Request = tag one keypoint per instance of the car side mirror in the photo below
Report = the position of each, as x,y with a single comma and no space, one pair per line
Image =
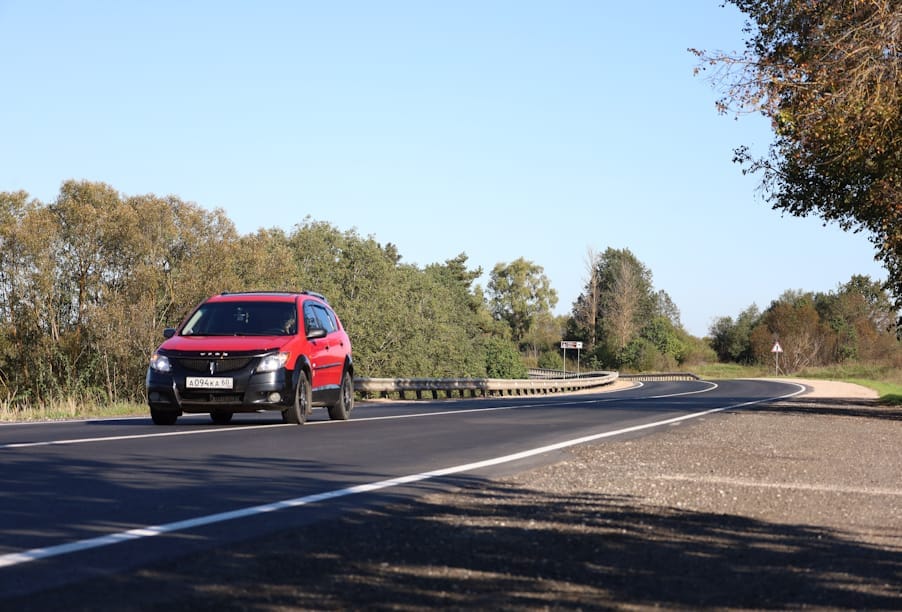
316,332
168,333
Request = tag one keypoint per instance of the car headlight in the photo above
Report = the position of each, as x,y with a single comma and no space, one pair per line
160,363
273,362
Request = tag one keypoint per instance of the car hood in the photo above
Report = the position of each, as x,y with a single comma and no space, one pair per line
225,344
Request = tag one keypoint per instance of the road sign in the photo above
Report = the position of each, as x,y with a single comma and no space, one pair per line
777,348
571,344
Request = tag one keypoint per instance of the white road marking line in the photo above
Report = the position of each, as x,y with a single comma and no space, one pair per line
711,388
11,559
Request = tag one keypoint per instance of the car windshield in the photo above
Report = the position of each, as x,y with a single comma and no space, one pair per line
243,319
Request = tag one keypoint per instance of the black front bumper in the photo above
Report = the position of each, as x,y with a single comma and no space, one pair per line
250,392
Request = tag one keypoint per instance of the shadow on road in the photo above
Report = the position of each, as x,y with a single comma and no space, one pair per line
503,547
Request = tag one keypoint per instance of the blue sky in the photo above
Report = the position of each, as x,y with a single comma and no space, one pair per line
501,129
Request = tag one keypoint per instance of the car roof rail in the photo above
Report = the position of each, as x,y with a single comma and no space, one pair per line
304,292
315,294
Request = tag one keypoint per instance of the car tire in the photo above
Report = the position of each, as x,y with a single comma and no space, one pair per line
297,412
221,417
163,417
341,410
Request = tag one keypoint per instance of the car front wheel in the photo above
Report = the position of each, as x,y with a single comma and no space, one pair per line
297,412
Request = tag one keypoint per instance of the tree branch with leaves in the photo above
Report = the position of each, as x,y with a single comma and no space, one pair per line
828,75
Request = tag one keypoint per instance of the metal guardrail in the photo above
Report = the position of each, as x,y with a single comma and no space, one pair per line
661,376
477,387
542,373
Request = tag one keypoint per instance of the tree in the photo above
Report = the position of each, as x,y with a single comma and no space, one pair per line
793,321
31,326
828,75
502,360
518,292
544,338
665,307
665,337
877,307
860,315
585,309
732,340
633,326
88,282
853,323
626,302
621,304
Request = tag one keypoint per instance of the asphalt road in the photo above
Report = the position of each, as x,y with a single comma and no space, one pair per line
90,498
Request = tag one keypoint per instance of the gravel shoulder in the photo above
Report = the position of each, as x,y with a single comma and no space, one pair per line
790,505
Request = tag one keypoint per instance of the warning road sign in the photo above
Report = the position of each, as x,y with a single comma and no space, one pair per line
777,348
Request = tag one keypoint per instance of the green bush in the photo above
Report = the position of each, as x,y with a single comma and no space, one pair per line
502,360
551,360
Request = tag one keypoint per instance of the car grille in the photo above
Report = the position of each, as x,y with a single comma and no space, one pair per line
202,397
226,364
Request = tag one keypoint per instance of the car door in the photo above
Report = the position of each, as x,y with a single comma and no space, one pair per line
327,353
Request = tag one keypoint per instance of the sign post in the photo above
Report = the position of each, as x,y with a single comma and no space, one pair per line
571,344
776,350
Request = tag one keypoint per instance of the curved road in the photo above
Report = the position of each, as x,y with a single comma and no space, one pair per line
86,498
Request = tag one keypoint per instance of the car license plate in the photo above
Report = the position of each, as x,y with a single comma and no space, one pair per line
208,382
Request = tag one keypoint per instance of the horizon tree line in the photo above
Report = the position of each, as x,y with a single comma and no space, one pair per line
89,281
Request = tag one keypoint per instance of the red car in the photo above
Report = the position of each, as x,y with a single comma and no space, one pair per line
245,352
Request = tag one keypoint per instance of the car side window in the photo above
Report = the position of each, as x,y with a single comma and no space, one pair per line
324,318
317,316
310,321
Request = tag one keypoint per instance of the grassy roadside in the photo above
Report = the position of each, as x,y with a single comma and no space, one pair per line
69,409
885,380
890,393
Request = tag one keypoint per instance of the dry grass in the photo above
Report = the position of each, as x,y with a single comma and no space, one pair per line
63,409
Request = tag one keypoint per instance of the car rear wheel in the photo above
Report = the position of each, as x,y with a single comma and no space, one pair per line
341,410
221,417
297,412
163,417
